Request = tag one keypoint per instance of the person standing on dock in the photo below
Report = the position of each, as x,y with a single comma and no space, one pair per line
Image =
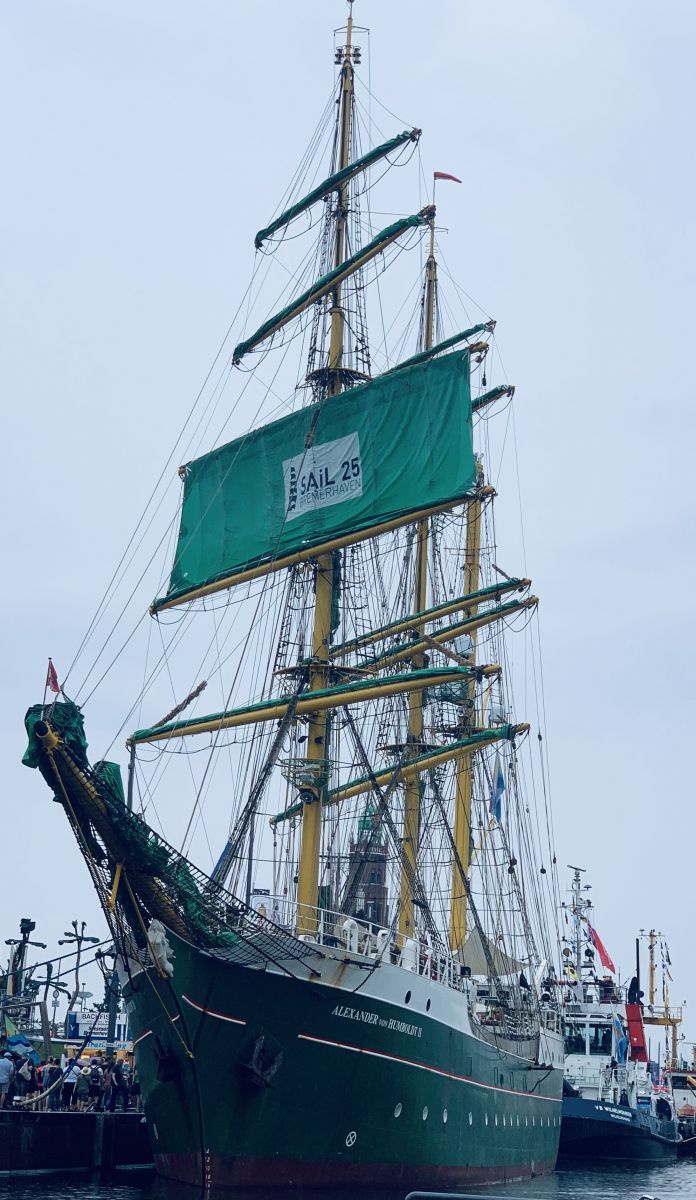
107,1079
32,1080
6,1075
72,1073
96,1076
82,1089
118,1086
52,1074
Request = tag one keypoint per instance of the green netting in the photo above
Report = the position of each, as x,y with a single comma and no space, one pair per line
333,182
109,776
326,282
393,446
68,722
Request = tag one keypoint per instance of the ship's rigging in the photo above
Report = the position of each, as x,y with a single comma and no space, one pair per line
423,596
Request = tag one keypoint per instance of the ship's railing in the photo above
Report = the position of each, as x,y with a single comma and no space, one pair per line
551,1019
609,1081
359,936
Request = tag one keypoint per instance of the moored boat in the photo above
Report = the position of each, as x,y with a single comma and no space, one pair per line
388,1015
612,1108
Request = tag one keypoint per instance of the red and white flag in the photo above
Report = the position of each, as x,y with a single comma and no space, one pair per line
601,949
444,175
52,684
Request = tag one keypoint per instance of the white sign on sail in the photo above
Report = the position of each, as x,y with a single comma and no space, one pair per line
322,475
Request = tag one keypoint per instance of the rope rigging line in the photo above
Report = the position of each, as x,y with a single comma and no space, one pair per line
99,611
414,880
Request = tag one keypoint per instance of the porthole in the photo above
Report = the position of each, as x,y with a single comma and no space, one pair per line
471,1118
496,1118
503,1120
427,1005
526,1121
425,1113
407,998
518,1120
486,1118
534,1121
399,1109
444,1116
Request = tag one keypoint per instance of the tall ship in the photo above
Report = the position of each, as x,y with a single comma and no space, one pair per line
360,990
615,1106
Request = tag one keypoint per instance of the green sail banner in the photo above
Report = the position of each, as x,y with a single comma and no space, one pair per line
354,460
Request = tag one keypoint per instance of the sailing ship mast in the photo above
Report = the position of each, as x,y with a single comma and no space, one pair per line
317,734
360,515
412,789
434,387
463,790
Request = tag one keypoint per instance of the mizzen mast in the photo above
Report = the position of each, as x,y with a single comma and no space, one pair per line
414,740
464,766
312,796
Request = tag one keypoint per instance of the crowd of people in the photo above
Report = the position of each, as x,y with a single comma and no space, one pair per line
96,1084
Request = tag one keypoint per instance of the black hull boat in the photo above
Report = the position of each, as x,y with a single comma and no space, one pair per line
595,1131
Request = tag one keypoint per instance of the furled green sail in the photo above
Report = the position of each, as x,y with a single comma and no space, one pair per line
321,287
439,347
352,461
334,182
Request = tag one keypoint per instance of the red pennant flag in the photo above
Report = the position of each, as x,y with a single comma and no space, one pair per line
444,175
601,949
52,683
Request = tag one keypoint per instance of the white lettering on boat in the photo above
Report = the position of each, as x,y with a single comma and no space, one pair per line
371,1018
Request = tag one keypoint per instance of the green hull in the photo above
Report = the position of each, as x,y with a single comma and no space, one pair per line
266,1061
292,1081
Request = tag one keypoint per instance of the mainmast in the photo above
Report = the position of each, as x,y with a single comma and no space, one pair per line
317,733
412,789
337,313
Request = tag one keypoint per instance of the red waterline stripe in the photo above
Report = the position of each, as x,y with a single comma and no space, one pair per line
409,1062
210,1012
142,1037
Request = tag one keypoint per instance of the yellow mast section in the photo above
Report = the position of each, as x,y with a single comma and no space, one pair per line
411,826
310,843
464,763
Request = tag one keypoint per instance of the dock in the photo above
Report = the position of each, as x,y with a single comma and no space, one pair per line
88,1143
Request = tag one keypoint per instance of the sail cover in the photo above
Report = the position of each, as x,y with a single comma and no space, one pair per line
352,461
479,951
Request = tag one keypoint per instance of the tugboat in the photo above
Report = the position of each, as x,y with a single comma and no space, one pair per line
678,1077
612,1109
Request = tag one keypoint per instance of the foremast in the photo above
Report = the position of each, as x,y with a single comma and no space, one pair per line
318,729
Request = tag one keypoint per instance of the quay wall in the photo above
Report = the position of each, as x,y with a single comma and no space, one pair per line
39,1143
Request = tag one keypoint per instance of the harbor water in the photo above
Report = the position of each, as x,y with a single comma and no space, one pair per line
674,1182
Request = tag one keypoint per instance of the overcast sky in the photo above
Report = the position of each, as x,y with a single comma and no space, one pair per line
143,145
